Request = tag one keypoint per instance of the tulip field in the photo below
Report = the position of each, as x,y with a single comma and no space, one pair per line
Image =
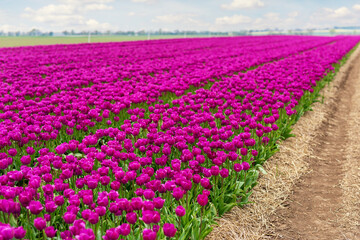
148,139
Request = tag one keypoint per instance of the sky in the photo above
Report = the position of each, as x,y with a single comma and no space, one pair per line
170,15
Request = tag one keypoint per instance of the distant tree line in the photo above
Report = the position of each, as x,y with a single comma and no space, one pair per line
33,32
37,32
276,31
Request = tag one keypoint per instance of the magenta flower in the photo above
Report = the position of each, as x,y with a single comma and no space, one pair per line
131,217
149,194
50,232
158,202
238,167
93,218
60,149
148,234
156,228
178,193
202,200
169,230
39,223
69,217
111,234
86,234
147,216
224,172
50,207
30,150
7,232
180,211
244,151
19,232
12,152
136,203
205,182
124,229
245,166
254,153
25,160
100,210
59,200
196,178
35,207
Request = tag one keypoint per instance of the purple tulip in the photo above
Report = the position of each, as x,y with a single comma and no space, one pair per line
158,202
202,200
245,166
35,207
131,217
12,152
111,234
25,160
39,223
148,234
169,230
69,217
124,229
19,232
149,194
180,211
50,232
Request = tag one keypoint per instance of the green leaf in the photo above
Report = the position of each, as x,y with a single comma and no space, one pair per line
206,232
239,184
262,170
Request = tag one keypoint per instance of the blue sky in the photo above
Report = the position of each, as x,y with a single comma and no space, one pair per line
214,15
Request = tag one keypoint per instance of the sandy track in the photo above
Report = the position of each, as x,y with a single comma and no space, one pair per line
325,204
318,208
312,189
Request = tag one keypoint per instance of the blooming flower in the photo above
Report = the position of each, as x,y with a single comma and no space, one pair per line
169,230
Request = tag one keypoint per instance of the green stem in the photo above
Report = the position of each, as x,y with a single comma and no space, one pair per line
201,218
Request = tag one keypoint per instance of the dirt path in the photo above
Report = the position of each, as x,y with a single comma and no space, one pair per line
312,186
324,200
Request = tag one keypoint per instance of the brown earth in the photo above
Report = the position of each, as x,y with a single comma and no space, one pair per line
312,189
316,208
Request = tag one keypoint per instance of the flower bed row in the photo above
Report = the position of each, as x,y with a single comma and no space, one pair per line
169,169
56,107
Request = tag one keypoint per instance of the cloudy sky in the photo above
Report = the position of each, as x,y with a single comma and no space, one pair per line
214,15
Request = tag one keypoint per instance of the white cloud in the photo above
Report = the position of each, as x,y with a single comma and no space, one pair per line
180,21
82,2
93,24
97,7
356,7
328,17
53,13
131,14
144,1
337,13
12,28
293,14
169,18
270,20
242,4
69,14
233,20
271,16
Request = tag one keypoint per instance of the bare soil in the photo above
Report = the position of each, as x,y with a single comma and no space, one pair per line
315,210
312,186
